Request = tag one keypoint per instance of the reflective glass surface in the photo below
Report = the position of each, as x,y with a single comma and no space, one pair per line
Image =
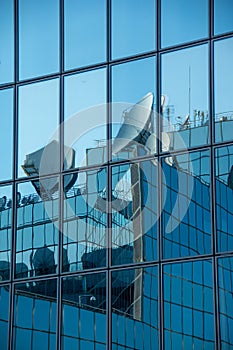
223,10
183,21
133,27
38,127
34,324
5,231
133,116
85,32
6,41
135,309
185,115
84,312
38,38
6,133
223,74
186,220
85,116
188,306
85,220
225,281
134,212
224,197
37,228
4,315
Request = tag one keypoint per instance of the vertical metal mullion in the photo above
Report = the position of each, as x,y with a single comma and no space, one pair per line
109,182
60,193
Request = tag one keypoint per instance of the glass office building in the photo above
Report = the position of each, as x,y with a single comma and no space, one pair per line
116,174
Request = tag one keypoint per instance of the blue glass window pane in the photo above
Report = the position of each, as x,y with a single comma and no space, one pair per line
6,132
85,32
6,41
186,219
4,312
190,320
223,74
223,10
224,197
133,27
28,299
183,21
135,309
225,281
84,311
38,38
38,125
85,116
185,116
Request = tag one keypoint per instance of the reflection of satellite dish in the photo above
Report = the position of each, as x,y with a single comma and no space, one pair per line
186,123
165,141
151,143
50,157
134,124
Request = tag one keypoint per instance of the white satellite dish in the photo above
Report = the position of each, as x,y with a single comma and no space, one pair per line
134,123
49,157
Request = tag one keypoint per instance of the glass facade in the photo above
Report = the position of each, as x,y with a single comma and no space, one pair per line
116,175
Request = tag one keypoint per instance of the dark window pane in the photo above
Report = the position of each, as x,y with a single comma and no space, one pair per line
133,96
186,220
185,84
4,314
223,10
85,221
6,41
38,38
37,228
5,231
85,116
188,306
85,32
135,309
133,27
183,21
84,311
6,133
134,212
224,198
225,285
38,126
34,325
223,70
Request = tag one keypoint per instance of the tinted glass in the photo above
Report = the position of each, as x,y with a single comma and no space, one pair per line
225,285
38,122
183,21
5,231
188,306
135,309
85,220
224,197
85,116
223,70
134,212
85,32
6,133
186,219
37,228
223,10
6,41
34,324
84,312
185,115
133,27
133,83
38,38
4,312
